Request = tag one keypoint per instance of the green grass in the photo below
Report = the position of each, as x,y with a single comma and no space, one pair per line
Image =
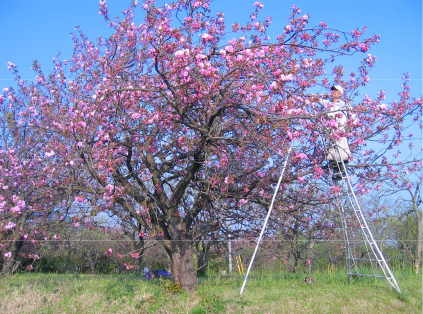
265,292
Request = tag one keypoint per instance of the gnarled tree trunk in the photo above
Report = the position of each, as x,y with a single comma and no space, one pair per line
9,262
182,266
9,265
181,254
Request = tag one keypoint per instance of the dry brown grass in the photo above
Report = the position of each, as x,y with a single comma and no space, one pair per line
42,293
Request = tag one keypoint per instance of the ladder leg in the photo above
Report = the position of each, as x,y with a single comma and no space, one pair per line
374,254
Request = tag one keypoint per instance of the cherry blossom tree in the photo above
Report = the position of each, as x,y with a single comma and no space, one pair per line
33,192
179,116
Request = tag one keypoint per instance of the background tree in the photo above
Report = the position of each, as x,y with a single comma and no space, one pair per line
410,224
33,183
416,202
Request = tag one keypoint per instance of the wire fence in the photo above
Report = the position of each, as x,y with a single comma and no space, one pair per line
217,241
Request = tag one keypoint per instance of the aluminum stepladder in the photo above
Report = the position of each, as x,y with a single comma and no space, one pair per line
362,250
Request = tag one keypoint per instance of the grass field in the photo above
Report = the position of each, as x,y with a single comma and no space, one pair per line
329,292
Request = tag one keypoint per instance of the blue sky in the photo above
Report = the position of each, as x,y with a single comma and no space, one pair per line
41,29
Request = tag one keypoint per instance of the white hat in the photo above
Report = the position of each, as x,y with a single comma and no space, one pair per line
338,88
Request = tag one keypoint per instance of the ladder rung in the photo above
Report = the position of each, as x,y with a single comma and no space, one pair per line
367,275
357,242
355,228
363,259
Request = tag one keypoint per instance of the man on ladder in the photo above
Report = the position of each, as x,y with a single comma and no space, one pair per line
338,156
339,152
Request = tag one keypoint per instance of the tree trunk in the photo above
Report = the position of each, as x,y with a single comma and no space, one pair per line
138,247
416,199
203,249
230,255
9,262
9,266
418,254
182,266
181,255
93,262
310,254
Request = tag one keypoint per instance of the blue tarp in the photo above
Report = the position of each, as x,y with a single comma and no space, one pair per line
151,274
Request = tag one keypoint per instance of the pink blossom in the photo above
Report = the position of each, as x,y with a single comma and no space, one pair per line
364,47
181,52
135,255
258,4
33,256
10,225
78,199
382,107
301,156
206,36
301,179
50,153
128,266
289,28
8,255
242,202
335,189
109,252
319,170
136,115
229,48
286,78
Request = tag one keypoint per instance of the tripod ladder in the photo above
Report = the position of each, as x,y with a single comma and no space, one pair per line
363,252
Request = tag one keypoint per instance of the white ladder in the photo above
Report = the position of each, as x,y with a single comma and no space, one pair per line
362,248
